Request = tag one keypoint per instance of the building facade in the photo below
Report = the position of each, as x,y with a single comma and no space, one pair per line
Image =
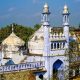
44,46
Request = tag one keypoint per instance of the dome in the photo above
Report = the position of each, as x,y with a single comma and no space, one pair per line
12,39
46,9
65,7
65,10
46,5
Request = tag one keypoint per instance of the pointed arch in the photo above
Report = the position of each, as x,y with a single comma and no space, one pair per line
56,68
57,64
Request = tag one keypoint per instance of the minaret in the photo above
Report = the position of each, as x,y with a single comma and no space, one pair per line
66,23
45,14
46,25
66,34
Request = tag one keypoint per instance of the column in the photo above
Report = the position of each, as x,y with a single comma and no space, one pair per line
56,45
53,45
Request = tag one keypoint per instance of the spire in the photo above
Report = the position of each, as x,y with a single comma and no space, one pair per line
45,13
46,9
65,10
66,23
12,28
65,15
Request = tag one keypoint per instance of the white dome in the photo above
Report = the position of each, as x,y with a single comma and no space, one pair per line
46,8
65,7
46,5
12,39
65,10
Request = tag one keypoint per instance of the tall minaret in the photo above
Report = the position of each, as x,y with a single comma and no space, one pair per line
46,25
45,13
66,23
66,34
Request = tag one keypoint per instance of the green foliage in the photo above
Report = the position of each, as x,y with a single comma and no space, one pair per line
4,32
36,27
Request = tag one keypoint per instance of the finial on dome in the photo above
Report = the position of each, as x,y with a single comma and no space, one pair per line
65,10
46,5
12,28
46,9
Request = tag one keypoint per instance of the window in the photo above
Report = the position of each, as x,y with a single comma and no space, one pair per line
51,45
57,45
54,45
63,44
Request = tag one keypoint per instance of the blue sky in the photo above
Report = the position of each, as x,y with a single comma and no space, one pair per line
28,12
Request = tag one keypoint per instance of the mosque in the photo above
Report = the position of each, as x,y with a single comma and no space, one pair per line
44,45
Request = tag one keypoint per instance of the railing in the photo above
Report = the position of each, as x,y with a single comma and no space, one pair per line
18,67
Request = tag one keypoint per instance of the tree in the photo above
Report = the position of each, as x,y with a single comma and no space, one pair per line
37,26
79,26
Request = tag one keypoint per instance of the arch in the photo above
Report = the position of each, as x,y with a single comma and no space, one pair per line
58,45
57,68
51,45
57,64
41,76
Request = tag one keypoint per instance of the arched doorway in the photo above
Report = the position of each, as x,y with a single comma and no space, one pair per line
58,70
41,76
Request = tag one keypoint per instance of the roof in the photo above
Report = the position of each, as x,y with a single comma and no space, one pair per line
12,39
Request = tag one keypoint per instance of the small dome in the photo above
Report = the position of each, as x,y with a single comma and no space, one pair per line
46,5
12,39
46,8
65,10
65,7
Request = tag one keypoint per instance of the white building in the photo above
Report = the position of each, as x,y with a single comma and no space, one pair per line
52,48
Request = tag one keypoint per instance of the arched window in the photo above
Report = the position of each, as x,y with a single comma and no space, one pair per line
41,76
65,18
57,45
54,45
63,44
57,70
51,45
